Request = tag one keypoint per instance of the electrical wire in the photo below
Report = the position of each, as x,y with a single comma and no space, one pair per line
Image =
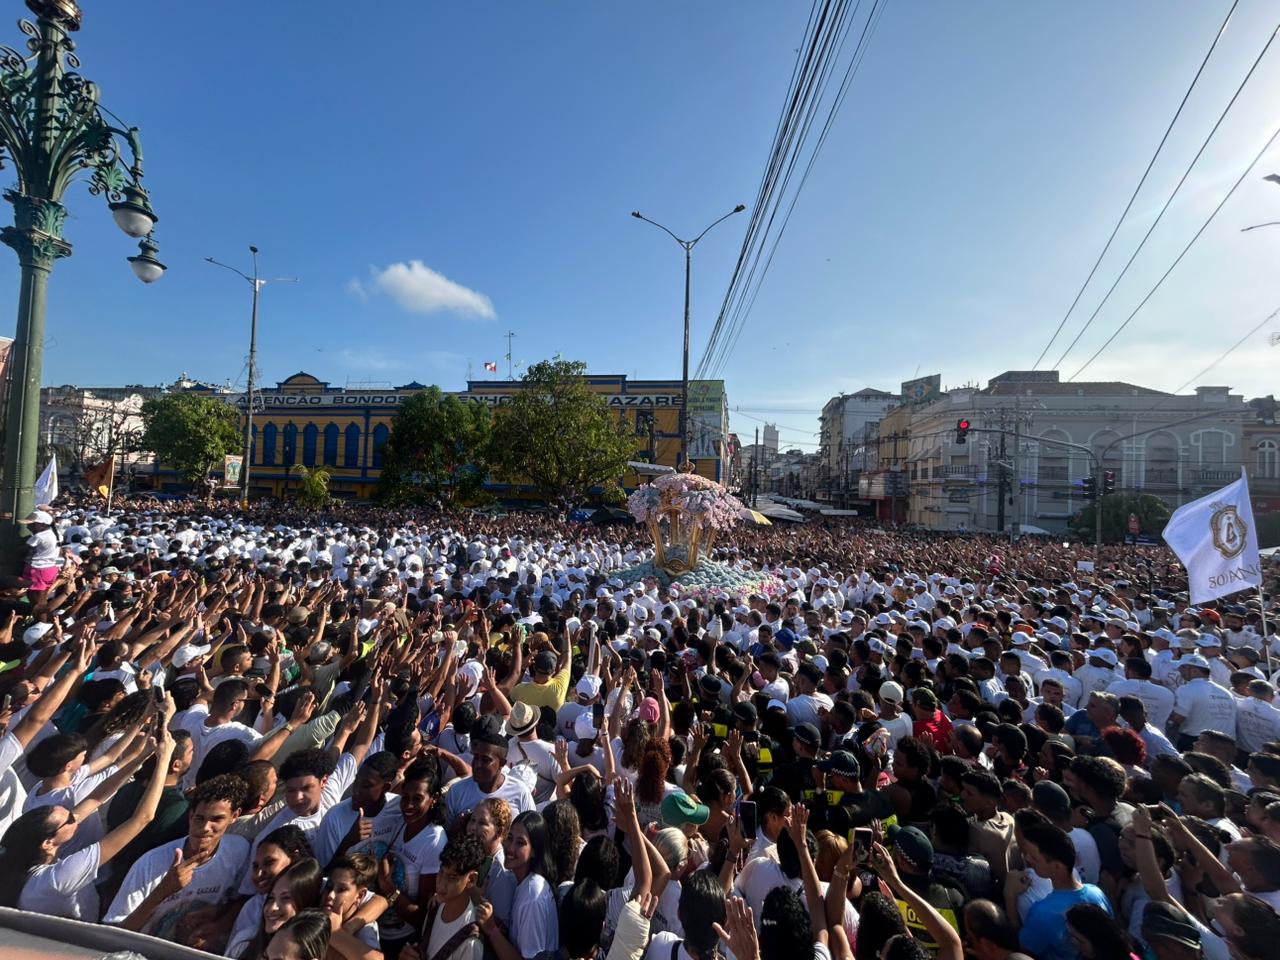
1230,350
868,31
1253,163
829,29
791,106
1142,180
1186,173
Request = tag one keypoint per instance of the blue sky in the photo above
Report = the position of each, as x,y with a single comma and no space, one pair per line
447,172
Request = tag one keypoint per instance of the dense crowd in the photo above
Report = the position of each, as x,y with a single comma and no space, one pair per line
442,736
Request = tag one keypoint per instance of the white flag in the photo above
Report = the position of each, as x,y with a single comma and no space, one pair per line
1216,541
46,490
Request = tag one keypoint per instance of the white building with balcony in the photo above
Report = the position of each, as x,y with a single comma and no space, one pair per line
1174,446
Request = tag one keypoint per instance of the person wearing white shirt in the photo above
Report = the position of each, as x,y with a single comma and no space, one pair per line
152,899
315,780
1200,704
33,875
1156,698
1257,717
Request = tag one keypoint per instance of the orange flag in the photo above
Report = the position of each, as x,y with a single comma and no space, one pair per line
99,478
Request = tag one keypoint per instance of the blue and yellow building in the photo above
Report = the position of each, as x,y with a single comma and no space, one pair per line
306,421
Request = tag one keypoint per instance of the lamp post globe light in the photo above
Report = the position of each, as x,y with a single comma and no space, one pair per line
52,128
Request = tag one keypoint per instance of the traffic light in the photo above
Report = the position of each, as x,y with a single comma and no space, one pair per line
1108,482
1090,487
962,431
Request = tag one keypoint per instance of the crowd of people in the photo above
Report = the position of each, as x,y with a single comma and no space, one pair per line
366,733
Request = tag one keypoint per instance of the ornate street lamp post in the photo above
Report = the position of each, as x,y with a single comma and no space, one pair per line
51,129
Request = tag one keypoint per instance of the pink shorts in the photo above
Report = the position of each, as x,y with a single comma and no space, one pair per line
42,578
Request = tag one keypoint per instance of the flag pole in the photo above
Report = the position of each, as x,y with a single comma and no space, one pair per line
1266,641
111,479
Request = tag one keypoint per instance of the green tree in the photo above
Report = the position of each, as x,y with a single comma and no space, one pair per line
313,488
438,449
1152,512
560,436
190,432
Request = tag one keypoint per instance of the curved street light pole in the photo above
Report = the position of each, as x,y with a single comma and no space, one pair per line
51,128
257,284
684,369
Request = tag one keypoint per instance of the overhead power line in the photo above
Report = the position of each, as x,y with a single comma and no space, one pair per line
1185,174
829,25
1141,181
1204,226
1230,350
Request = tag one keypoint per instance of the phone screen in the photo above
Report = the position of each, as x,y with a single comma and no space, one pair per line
747,818
597,715
862,839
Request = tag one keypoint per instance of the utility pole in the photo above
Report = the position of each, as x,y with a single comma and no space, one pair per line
1015,488
1001,481
252,378
510,337
684,368
755,459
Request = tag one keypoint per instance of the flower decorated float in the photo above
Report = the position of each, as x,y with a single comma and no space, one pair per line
686,514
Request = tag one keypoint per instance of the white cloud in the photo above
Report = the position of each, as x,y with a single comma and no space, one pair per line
419,289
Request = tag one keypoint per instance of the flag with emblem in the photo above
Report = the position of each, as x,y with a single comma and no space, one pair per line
491,366
1216,540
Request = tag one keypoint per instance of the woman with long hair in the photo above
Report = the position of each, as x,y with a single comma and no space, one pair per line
109,728
565,835
297,888
278,851
33,877
306,936
534,923
587,794
651,780
417,840
719,791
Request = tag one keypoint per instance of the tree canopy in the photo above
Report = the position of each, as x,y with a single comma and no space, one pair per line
190,432
558,435
438,449
1152,512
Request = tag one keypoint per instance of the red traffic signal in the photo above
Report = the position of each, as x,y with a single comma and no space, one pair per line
962,430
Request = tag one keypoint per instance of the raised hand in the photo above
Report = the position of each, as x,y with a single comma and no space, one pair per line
739,930
305,707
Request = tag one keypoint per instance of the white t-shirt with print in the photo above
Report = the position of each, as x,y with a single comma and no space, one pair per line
213,882
1206,706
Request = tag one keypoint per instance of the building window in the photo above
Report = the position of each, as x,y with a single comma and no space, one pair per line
1213,447
269,445
253,445
1268,460
1161,467
380,435
331,445
351,446
310,436
290,456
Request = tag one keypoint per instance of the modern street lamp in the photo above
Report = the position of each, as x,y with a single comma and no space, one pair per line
684,370
257,285
52,128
